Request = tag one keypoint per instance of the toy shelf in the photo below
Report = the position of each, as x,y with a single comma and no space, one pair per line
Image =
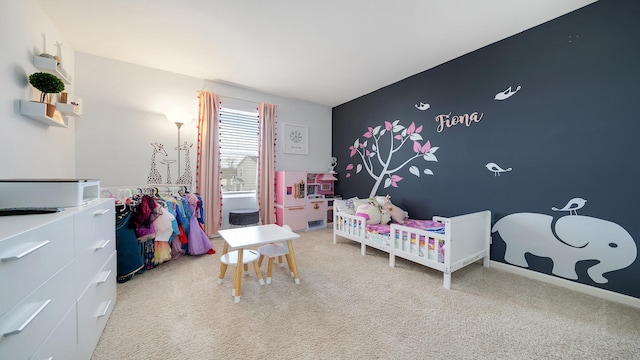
38,111
50,66
67,109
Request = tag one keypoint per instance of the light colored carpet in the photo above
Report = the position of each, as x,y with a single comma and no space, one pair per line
350,306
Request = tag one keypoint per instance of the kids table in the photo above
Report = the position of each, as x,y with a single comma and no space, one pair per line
240,238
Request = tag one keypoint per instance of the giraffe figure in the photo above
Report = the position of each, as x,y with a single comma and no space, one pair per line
58,58
154,175
185,178
59,47
44,43
168,163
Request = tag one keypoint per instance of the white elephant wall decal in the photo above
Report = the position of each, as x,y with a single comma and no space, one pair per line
573,238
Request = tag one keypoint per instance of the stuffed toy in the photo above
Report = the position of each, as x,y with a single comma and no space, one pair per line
370,212
344,206
385,217
397,215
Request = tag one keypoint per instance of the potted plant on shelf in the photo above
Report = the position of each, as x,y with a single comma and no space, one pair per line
47,84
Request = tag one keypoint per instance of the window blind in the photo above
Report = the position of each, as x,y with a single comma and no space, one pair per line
239,132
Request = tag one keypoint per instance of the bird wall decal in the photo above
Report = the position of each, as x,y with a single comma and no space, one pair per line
422,106
572,206
507,93
493,167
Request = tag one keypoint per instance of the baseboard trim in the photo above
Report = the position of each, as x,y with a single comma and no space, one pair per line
582,288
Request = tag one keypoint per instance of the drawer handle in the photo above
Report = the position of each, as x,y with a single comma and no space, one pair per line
24,250
105,276
106,310
103,245
35,308
98,213
297,208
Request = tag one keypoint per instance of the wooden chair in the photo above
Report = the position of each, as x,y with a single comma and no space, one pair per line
272,251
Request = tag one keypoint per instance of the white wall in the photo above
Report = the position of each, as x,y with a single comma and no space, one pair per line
30,149
123,113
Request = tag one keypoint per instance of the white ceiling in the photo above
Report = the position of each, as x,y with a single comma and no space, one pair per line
327,52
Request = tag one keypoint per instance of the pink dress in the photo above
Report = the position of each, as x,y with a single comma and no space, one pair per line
164,231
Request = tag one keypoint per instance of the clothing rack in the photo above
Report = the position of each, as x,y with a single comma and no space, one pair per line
124,192
156,223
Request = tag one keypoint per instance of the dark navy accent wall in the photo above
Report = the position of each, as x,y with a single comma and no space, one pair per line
569,132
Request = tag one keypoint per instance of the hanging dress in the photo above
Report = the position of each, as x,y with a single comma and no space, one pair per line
143,216
177,248
164,231
199,242
128,252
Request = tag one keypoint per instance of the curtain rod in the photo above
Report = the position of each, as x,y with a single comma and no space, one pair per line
233,98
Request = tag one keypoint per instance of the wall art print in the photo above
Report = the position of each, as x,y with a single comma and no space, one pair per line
296,139
378,162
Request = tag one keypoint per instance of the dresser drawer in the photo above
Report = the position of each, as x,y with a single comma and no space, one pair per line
26,326
94,308
61,343
88,264
30,258
91,224
95,242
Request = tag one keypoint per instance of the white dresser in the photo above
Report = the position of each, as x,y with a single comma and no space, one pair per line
57,281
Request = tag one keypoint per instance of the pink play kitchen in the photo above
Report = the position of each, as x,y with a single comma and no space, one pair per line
304,200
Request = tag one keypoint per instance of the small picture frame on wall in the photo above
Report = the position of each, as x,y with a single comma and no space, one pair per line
296,139
72,104
76,102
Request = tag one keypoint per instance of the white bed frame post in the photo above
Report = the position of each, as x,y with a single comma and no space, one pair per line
448,245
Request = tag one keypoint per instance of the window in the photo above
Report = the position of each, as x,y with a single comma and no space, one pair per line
239,150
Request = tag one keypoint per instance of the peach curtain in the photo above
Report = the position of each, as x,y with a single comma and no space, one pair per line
267,163
208,174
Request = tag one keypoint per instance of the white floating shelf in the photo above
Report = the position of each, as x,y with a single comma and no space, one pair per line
50,66
67,110
38,111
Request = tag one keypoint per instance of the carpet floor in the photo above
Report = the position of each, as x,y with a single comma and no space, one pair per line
350,306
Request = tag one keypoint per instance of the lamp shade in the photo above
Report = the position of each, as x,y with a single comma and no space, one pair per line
178,116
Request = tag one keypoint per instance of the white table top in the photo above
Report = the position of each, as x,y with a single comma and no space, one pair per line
256,235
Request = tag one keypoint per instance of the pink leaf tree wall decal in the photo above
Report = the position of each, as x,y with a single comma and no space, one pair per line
378,165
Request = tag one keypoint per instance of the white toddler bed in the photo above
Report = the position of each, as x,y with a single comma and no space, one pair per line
465,239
